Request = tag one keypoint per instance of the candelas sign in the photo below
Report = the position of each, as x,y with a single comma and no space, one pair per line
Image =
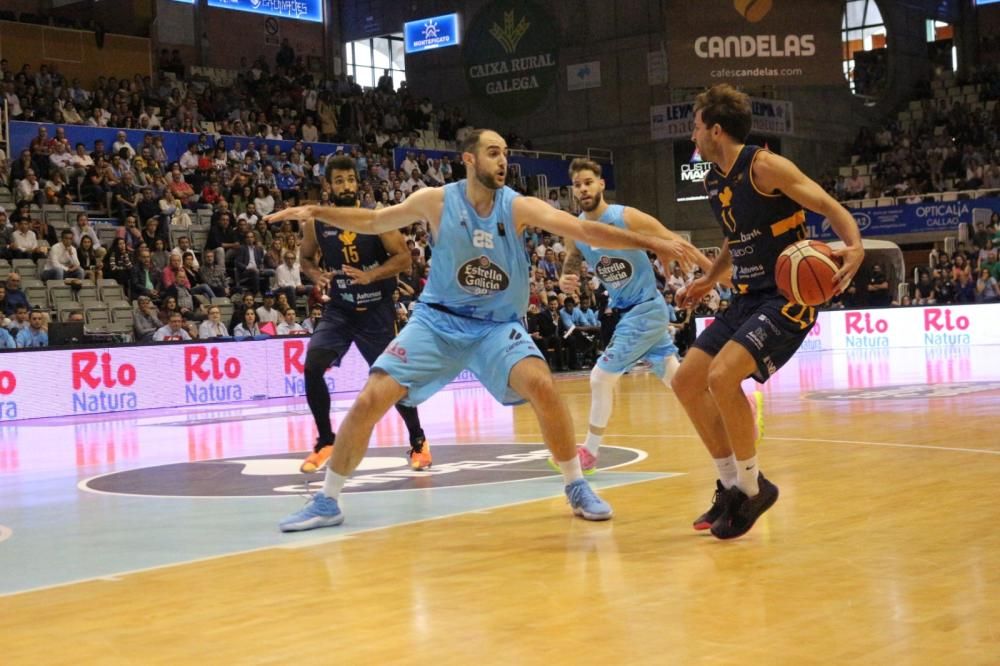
754,42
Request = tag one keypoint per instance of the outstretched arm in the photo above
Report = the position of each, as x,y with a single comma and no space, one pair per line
423,205
646,224
529,211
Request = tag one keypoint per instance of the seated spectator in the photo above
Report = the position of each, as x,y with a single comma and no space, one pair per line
145,278
986,288
63,262
20,321
923,292
15,297
214,276
6,340
29,190
90,261
289,326
251,271
118,263
878,288
145,319
213,327
34,335
288,279
315,317
267,313
248,327
174,330
24,243
173,210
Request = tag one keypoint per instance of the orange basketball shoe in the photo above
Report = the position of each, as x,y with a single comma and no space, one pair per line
315,461
420,456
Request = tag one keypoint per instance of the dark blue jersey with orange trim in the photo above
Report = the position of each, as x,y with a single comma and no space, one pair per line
757,225
345,248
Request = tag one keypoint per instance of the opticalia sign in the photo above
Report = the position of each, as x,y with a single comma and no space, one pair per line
944,326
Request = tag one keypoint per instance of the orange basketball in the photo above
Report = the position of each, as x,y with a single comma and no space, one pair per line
804,272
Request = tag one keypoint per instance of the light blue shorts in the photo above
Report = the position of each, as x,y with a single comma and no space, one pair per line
435,346
641,334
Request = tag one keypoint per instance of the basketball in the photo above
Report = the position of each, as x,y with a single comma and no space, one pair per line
804,272
753,10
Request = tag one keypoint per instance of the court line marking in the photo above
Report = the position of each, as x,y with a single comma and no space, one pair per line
118,575
82,485
767,438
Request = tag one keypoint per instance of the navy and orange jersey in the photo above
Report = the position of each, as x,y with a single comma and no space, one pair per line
757,225
346,248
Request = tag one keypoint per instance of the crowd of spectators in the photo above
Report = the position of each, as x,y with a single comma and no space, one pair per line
158,201
950,145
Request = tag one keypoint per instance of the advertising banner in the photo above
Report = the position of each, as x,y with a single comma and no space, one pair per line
40,384
754,42
510,56
431,33
676,121
299,10
934,216
942,326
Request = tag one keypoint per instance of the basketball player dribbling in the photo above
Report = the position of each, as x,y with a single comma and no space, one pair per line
469,315
758,198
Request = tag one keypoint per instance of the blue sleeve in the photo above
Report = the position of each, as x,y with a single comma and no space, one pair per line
566,319
6,341
22,338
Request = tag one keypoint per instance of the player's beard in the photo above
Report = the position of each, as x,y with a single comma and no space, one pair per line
345,199
487,179
595,201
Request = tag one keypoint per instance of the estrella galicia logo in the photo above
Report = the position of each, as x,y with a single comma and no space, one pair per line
278,475
514,335
614,271
481,277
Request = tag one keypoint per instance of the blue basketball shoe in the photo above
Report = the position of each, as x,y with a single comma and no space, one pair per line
321,511
586,503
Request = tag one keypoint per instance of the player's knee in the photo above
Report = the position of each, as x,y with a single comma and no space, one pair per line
685,383
538,386
318,361
602,381
720,377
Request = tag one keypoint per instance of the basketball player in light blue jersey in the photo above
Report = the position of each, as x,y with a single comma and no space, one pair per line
642,331
469,315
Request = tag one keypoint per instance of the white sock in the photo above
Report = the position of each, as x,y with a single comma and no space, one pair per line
593,443
727,470
746,471
571,470
333,483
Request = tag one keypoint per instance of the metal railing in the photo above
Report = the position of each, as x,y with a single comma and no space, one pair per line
957,195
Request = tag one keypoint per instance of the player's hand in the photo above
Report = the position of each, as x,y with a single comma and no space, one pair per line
569,284
321,280
679,250
293,213
852,257
691,294
357,275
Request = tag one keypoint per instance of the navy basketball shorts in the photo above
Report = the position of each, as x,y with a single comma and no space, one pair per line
769,326
371,330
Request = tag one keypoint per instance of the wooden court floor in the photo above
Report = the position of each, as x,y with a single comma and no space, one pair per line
882,549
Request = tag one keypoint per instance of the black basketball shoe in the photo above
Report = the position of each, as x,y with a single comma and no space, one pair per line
742,512
719,502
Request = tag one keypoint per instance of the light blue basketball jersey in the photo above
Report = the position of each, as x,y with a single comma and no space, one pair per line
479,267
627,274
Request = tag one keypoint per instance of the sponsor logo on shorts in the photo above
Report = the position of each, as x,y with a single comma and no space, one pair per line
769,364
396,350
278,475
758,337
482,277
